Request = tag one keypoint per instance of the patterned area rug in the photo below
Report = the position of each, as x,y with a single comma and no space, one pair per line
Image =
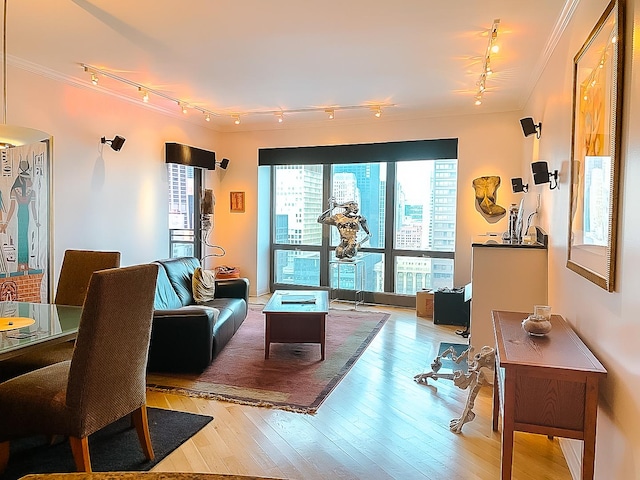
294,378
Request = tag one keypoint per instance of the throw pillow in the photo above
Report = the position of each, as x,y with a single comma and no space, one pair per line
203,285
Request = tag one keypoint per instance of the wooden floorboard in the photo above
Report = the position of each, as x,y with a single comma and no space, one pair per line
378,423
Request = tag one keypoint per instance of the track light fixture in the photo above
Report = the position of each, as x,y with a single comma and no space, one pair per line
517,186
145,95
529,127
542,175
115,144
184,105
94,79
492,47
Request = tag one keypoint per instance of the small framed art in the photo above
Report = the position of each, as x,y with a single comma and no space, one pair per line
236,201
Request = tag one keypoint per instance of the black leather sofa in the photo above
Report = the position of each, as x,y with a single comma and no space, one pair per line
185,336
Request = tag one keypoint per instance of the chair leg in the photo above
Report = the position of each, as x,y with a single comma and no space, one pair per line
4,456
141,423
80,449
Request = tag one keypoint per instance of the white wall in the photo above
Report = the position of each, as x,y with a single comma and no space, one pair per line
109,200
609,323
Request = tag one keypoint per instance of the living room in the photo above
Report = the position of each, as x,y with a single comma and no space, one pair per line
108,200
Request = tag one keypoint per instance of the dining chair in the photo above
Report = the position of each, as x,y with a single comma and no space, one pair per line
105,379
75,273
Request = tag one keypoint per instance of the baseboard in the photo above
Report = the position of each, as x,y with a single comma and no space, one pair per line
572,451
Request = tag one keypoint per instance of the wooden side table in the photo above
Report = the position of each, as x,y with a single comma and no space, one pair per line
546,385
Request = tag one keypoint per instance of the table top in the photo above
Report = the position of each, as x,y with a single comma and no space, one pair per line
560,349
298,301
51,324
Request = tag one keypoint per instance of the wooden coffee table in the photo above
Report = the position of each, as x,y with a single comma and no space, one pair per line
296,316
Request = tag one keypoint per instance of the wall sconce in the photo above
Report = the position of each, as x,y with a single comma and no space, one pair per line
542,175
529,127
517,186
116,143
223,164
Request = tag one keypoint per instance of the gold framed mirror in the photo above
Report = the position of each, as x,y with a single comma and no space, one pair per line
595,152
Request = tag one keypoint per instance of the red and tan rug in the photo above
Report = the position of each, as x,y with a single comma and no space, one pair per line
294,378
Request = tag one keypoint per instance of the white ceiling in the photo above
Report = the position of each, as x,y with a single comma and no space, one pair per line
243,56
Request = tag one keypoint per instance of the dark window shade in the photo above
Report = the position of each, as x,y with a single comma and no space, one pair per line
441,149
190,156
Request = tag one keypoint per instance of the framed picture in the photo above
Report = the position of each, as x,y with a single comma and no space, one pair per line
24,222
237,202
595,152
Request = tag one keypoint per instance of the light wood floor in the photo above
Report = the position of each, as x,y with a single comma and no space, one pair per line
378,423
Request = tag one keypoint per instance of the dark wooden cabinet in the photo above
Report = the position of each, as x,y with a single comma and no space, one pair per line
546,385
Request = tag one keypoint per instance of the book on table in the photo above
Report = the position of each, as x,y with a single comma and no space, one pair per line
298,299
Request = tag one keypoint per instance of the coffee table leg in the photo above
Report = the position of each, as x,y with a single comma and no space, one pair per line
267,336
323,323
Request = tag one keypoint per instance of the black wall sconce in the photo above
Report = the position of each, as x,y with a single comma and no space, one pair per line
223,164
115,144
529,127
542,175
517,186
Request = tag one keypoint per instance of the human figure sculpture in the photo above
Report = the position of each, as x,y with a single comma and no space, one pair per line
348,224
486,191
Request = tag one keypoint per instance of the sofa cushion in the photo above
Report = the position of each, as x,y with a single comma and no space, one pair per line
180,270
203,285
166,297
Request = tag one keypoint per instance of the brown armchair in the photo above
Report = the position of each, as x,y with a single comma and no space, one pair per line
105,379
75,273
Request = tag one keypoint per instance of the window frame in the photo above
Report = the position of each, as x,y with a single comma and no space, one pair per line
389,251
189,236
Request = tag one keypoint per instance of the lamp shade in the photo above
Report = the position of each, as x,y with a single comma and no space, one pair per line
206,206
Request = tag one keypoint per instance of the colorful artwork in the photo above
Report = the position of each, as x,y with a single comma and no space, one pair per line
597,118
24,223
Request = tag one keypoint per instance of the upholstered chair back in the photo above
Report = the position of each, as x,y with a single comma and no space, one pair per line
75,273
108,368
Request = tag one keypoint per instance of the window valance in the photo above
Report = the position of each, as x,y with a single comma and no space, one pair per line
440,149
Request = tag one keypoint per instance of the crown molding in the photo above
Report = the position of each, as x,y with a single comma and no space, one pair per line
558,30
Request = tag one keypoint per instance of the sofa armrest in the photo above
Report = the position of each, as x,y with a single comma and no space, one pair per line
232,288
181,339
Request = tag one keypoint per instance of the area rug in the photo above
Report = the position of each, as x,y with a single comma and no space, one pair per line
114,448
293,378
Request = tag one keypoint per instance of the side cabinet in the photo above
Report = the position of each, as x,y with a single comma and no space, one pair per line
504,277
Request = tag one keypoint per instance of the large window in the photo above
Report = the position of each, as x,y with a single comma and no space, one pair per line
410,208
184,210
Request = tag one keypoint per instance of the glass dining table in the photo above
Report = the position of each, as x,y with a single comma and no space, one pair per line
28,326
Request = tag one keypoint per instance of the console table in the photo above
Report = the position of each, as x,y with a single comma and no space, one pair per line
546,385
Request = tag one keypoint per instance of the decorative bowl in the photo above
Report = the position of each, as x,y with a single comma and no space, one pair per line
537,326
